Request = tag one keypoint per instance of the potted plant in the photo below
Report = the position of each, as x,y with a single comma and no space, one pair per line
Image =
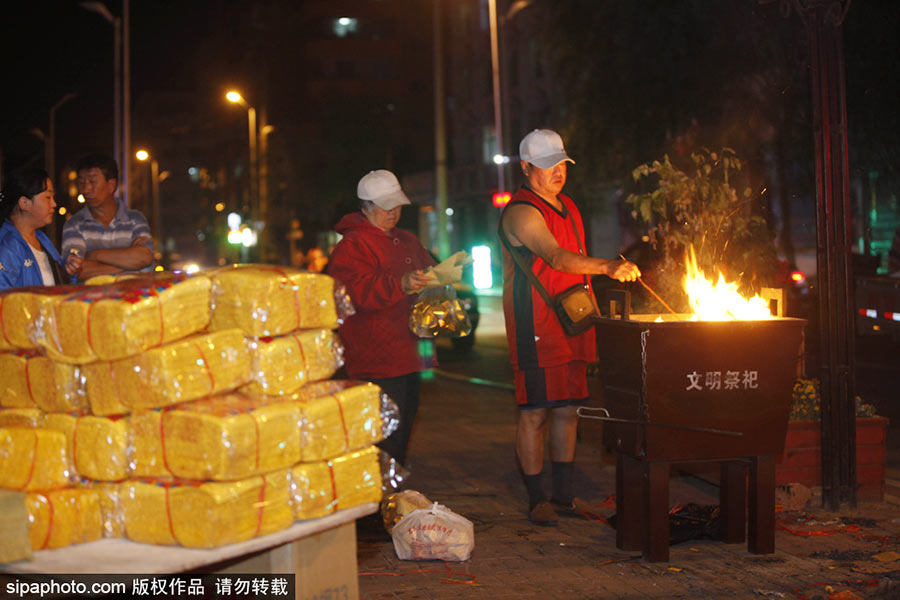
801,460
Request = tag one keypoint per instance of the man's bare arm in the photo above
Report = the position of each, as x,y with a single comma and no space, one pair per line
134,257
92,268
525,225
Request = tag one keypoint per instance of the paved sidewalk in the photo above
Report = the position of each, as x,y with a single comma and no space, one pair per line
462,456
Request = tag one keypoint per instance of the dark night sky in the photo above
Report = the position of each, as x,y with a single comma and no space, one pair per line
51,48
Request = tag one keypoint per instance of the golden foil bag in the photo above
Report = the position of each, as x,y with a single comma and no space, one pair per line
438,312
191,368
264,300
396,506
281,365
113,321
325,487
206,514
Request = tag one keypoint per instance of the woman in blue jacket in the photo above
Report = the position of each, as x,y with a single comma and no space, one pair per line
27,256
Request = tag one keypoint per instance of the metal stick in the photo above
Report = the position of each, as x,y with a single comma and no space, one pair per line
654,294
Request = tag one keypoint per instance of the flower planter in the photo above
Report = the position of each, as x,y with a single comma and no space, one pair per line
801,460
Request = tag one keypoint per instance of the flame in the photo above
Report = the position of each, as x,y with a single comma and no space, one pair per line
720,301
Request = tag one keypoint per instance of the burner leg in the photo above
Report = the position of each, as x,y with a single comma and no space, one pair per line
762,505
630,522
656,509
733,501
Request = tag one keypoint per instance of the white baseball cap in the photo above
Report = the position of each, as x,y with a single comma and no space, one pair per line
382,188
543,148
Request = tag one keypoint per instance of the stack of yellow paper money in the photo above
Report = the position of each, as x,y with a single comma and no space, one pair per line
265,300
23,312
14,543
96,446
29,380
206,514
324,487
222,438
147,459
194,367
281,365
62,517
33,459
22,417
340,416
110,322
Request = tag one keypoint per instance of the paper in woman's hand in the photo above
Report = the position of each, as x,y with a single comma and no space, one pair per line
449,271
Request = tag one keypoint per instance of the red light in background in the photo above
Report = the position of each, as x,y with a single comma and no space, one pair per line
500,199
797,276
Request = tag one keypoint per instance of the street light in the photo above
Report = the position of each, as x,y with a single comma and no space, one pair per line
143,155
236,98
121,87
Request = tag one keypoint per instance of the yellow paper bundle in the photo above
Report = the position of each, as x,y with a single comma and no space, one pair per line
112,321
339,416
29,380
206,515
281,365
33,459
23,311
230,437
111,510
267,300
21,417
97,446
105,279
63,517
147,459
324,487
197,366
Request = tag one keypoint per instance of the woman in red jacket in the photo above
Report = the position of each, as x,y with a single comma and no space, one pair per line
382,266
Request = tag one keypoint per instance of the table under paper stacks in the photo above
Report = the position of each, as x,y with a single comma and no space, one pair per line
169,423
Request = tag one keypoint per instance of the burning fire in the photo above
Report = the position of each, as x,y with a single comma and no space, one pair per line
720,301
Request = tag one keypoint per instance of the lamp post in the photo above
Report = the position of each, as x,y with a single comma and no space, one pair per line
143,155
121,88
236,98
495,77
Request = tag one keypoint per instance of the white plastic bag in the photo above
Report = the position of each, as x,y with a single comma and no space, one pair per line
435,533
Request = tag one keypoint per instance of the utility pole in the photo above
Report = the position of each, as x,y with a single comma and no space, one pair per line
126,101
834,238
498,114
440,136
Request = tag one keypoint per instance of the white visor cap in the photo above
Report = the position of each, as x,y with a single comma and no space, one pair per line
382,188
543,148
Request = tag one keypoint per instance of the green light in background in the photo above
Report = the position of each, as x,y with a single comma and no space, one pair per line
481,268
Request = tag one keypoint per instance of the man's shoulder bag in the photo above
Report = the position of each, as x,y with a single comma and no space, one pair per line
575,306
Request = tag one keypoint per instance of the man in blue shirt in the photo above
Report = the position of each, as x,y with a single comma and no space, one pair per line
111,237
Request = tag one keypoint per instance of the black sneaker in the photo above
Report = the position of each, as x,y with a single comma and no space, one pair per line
543,514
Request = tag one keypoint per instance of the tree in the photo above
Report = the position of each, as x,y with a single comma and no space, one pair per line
696,207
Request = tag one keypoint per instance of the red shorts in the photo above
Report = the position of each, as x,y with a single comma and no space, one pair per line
548,387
